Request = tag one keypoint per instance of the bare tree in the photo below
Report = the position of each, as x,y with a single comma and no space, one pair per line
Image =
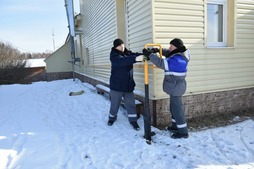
10,57
11,60
41,55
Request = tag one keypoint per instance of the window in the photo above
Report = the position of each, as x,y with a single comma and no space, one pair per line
216,23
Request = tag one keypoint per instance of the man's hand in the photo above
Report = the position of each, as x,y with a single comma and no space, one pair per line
155,50
139,58
146,52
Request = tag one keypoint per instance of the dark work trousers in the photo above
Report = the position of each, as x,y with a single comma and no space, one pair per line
129,104
178,117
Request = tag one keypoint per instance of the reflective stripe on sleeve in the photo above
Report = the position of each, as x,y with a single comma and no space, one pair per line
166,64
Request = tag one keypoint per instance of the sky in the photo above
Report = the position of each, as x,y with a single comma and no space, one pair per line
42,127
34,25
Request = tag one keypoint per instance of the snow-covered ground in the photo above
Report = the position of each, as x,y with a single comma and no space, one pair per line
42,127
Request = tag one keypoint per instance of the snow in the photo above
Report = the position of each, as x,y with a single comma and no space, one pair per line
42,127
31,63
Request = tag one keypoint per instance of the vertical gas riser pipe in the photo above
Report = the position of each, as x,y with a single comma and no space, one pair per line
70,17
147,116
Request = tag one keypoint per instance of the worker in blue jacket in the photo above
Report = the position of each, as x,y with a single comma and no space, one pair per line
174,83
122,83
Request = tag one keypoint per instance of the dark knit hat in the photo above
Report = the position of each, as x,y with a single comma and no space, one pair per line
117,42
177,42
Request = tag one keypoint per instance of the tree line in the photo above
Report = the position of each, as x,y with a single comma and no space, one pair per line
12,61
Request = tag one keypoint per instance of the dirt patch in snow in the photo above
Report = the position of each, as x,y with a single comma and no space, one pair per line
218,120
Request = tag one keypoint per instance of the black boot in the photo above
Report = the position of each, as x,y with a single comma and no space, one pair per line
171,129
111,122
135,125
178,135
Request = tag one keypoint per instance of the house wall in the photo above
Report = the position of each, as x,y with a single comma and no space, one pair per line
159,21
108,21
210,69
139,32
220,80
215,76
59,60
99,24
203,105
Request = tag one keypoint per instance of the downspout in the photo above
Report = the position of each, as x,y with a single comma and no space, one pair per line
70,16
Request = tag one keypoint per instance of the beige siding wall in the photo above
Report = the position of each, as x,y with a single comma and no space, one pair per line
182,19
139,20
159,21
139,33
58,61
210,69
99,26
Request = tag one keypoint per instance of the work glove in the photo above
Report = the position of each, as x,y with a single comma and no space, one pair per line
146,52
139,58
155,50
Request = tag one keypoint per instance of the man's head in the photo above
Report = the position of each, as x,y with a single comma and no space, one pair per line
119,44
175,44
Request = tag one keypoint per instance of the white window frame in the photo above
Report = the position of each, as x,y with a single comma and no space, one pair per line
224,41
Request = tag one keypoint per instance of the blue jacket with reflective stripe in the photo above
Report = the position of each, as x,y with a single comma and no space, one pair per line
176,64
175,69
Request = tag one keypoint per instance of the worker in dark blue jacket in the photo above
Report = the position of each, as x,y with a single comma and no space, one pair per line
122,83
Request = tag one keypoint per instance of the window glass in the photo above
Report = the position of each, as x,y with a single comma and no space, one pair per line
216,23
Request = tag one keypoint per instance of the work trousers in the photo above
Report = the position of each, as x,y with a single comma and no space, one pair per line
177,113
129,104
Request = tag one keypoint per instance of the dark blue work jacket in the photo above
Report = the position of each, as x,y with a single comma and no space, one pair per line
121,78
